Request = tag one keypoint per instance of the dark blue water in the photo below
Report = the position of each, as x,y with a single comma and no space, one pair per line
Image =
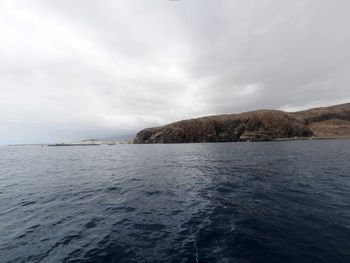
219,202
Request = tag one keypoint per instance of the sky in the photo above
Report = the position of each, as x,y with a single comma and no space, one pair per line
73,70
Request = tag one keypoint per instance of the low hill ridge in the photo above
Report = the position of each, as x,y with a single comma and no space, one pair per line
260,125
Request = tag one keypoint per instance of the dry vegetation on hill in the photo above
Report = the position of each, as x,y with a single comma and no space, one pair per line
262,125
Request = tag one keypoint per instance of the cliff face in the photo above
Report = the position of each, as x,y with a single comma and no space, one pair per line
263,125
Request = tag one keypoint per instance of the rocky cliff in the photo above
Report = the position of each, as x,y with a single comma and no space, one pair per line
262,125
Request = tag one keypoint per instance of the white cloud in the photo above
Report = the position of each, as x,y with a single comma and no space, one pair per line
76,69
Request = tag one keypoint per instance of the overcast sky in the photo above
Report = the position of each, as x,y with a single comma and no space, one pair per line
72,70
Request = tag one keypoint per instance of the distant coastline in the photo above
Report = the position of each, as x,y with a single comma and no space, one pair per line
262,125
89,142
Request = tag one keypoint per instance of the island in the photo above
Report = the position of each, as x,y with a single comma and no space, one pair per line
260,125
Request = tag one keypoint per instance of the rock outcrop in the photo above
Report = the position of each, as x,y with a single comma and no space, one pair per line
262,125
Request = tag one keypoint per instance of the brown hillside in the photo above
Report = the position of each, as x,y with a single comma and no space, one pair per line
262,125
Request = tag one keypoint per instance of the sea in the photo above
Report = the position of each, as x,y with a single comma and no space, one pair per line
207,202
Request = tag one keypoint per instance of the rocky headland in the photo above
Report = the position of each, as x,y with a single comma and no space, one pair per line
261,125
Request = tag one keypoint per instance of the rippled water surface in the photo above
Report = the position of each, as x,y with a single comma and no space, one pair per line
217,202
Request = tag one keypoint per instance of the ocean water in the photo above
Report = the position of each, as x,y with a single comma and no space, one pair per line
215,202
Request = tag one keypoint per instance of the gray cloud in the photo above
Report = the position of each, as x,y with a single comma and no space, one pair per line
76,69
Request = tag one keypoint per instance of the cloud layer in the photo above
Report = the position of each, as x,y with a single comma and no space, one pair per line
78,69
